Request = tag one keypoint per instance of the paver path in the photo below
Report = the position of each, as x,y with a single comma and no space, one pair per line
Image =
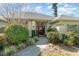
35,49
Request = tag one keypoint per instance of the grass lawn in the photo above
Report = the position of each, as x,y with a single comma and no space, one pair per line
60,50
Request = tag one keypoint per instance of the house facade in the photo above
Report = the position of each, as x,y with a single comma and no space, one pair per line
40,23
33,21
66,24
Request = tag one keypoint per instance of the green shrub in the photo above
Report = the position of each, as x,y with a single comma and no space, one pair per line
53,37
21,46
68,42
77,40
16,34
70,39
31,41
9,50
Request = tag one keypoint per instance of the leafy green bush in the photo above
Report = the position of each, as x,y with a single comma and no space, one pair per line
68,42
53,37
9,50
31,41
70,39
21,46
16,34
77,40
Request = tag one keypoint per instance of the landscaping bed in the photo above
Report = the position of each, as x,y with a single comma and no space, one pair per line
60,50
9,50
12,49
15,38
65,44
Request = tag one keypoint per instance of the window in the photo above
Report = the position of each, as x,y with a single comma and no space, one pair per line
71,28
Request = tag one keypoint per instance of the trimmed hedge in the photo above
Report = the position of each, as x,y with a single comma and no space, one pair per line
16,34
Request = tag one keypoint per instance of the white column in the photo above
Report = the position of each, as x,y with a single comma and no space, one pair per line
33,25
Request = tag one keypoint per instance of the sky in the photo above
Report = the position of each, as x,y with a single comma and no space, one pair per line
65,9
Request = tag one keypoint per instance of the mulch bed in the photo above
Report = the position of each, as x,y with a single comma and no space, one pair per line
60,50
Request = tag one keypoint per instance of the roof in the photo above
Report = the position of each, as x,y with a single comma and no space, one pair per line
31,15
66,18
38,16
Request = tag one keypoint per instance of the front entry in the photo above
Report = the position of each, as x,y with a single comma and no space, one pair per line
41,29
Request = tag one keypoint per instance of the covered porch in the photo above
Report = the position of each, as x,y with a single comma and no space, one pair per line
37,27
